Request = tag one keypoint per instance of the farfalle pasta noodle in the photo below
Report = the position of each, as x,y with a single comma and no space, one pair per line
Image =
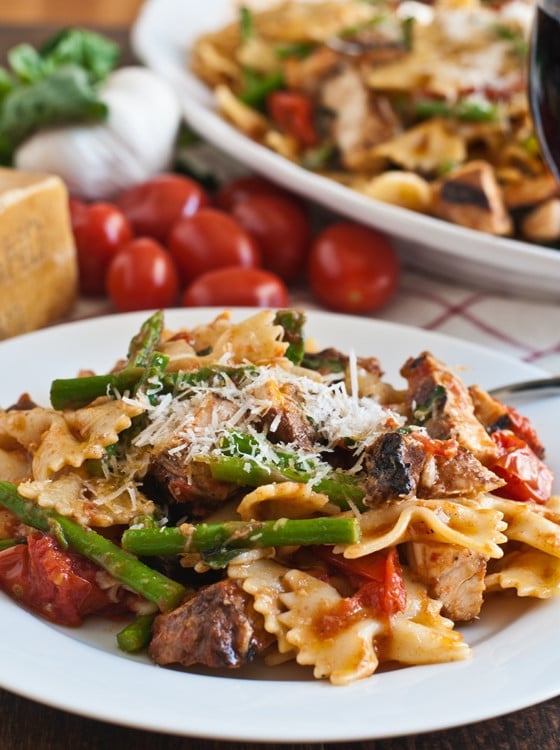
92,501
531,572
242,424
481,529
282,500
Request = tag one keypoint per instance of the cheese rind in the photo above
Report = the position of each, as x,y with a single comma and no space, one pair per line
38,266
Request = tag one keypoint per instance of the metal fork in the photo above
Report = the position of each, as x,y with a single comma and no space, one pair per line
535,388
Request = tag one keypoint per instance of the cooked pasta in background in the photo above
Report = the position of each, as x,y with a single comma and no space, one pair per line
416,104
248,496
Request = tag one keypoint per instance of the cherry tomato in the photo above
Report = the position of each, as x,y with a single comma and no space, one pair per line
238,190
526,476
142,276
56,584
153,206
522,427
237,287
378,577
99,229
211,239
281,229
353,268
294,113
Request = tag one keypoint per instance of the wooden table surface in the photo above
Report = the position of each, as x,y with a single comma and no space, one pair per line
26,725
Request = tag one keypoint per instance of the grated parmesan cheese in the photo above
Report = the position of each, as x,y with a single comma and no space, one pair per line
193,423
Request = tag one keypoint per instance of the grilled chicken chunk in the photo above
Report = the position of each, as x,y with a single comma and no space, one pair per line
542,223
471,196
403,466
170,480
284,420
442,404
361,119
454,575
197,492
495,415
308,74
217,627
393,464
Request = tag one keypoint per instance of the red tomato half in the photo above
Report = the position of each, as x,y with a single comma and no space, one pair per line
353,268
522,427
237,287
208,240
294,113
142,276
281,229
382,587
236,191
58,585
99,229
526,476
153,206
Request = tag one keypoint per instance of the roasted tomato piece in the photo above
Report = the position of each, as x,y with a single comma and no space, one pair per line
60,586
526,476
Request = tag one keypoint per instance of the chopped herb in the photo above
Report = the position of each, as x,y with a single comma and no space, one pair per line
257,87
425,411
464,109
299,50
246,23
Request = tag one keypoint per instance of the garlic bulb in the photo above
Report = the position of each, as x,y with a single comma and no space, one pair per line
98,160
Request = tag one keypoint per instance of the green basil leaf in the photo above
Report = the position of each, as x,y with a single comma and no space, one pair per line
65,96
97,54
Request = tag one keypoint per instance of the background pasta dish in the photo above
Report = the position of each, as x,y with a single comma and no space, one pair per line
423,106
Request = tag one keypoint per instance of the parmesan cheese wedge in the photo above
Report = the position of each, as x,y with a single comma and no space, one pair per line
38,267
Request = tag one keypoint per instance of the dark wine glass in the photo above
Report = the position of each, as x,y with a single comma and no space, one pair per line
544,80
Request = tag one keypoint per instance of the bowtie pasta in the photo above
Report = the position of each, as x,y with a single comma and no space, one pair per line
421,105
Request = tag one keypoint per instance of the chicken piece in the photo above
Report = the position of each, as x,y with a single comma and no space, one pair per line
528,191
284,421
24,403
495,415
459,475
307,75
454,575
393,465
471,196
440,401
361,119
542,223
403,466
424,148
217,627
168,480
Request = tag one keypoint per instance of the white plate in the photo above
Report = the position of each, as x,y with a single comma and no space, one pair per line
161,38
515,660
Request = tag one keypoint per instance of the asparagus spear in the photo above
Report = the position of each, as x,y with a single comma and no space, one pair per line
136,636
146,364
243,462
292,321
143,345
73,393
7,543
123,566
236,535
